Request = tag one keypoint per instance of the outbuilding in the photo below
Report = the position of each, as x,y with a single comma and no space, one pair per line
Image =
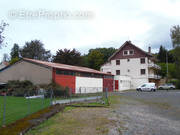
79,79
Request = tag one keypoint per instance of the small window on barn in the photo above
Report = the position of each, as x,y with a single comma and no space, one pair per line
117,72
117,62
125,52
128,70
143,60
143,71
131,52
64,72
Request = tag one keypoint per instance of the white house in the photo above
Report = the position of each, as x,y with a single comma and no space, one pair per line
132,67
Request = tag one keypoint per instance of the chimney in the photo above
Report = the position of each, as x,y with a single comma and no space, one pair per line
149,49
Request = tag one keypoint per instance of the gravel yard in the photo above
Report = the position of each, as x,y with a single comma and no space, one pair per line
130,113
149,113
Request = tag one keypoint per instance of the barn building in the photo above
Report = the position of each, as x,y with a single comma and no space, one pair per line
79,79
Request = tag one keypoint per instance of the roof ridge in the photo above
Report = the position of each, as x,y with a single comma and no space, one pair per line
124,45
65,66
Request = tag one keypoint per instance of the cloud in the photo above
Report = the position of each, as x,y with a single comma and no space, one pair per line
146,23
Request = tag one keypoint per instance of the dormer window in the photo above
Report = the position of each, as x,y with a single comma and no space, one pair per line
125,52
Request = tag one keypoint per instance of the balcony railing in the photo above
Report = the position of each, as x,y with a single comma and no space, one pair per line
152,65
154,76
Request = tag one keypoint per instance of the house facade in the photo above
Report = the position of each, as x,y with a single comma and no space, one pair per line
79,79
132,67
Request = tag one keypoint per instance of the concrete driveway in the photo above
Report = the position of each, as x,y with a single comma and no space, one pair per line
147,113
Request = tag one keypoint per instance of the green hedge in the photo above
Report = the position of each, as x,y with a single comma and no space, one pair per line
27,88
20,88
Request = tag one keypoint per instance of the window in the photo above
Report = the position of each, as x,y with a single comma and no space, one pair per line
142,60
128,60
143,71
144,85
117,62
131,52
117,72
125,52
128,70
65,72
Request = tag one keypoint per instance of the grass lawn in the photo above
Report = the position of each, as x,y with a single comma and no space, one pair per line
19,107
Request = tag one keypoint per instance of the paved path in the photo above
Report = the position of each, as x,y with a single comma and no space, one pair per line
66,101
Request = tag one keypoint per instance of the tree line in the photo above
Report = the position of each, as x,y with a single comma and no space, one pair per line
171,58
35,50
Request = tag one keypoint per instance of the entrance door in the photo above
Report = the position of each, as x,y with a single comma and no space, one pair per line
116,85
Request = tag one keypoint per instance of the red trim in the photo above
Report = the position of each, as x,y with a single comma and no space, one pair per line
108,83
53,74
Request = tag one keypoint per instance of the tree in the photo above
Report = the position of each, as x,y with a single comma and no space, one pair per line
2,28
171,69
5,57
35,50
107,52
161,56
66,56
175,35
95,59
15,51
85,62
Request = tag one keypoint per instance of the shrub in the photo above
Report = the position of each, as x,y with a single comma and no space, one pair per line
20,88
58,90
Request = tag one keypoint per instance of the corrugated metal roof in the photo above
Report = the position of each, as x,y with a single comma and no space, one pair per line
66,67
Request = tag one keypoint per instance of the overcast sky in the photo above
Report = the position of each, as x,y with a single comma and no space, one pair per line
109,23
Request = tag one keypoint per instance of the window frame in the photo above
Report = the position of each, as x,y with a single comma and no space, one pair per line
126,51
117,62
118,72
144,60
143,73
130,51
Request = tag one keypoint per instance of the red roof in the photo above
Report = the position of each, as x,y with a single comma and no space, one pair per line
66,67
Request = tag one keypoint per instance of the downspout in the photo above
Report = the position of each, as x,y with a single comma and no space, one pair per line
53,75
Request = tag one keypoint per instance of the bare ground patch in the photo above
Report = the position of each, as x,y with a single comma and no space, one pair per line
78,121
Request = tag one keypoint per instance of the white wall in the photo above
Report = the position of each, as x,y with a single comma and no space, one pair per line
137,82
88,85
134,66
124,82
